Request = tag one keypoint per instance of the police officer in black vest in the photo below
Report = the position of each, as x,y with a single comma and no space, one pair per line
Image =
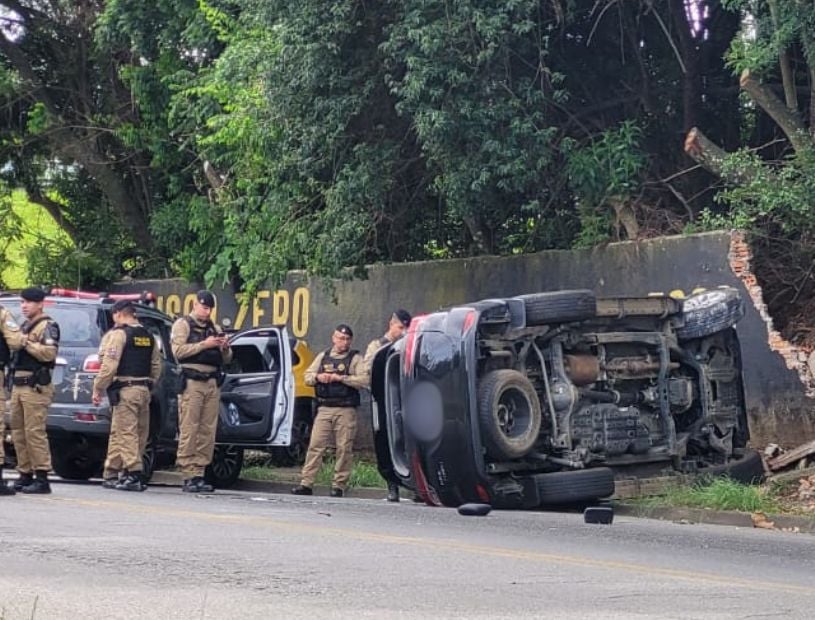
338,375
130,366
201,348
32,392
9,342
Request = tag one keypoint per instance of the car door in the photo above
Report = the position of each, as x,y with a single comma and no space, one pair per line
257,397
165,392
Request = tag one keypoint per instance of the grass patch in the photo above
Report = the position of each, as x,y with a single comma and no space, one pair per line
363,474
261,472
718,494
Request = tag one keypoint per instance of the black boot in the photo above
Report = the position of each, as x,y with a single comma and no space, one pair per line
23,481
203,485
111,482
131,482
197,484
301,490
39,486
393,492
5,489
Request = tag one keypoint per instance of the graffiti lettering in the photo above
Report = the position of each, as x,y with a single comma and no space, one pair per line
299,322
268,307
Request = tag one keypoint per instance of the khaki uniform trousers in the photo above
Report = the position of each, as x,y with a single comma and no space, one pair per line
29,413
340,425
197,422
129,428
2,420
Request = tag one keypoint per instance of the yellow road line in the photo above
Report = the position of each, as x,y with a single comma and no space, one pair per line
437,544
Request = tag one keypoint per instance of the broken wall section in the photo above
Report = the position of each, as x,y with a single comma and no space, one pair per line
790,418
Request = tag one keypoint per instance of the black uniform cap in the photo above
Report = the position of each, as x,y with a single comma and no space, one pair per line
205,298
32,293
403,316
344,329
122,305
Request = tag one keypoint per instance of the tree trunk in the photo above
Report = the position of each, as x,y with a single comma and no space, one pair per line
124,200
691,78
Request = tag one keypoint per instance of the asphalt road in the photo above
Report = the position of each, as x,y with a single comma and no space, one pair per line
85,552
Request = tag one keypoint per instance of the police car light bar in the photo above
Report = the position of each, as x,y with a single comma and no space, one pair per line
64,292
144,297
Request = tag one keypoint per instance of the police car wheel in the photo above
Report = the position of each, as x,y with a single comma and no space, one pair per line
70,463
225,468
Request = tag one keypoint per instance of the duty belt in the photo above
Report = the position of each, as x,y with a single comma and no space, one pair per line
196,375
118,383
23,381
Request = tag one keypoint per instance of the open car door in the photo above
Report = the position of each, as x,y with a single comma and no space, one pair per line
257,397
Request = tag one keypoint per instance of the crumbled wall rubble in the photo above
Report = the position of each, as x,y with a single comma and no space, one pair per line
795,358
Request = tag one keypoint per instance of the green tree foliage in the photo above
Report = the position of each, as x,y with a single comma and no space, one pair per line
343,133
238,139
770,188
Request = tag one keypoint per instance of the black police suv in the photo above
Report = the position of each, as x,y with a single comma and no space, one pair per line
257,397
539,399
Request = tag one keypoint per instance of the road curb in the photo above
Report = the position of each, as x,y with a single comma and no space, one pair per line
174,479
790,523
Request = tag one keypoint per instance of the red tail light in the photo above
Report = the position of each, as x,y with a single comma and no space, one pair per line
469,321
83,416
410,343
92,364
482,493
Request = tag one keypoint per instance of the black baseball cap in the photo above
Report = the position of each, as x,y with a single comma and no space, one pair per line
403,316
32,293
205,298
122,305
344,329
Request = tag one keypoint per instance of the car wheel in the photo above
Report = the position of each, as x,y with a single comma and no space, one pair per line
148,459
558,306
225,468
709,312
73,463
295,453
509,414
571,487
747,469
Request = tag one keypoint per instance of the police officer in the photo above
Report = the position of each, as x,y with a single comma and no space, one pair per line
398,324
32,393
9,342
202,349
130,365
338,375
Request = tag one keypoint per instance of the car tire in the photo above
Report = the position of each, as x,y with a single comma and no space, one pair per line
559,306
148,459
748,469
509,414
295,453
572,487
225,468
709,312
71,463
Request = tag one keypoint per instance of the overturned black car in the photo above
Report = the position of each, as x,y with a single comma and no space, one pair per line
541,399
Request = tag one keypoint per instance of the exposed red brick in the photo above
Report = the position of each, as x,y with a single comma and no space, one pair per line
740,257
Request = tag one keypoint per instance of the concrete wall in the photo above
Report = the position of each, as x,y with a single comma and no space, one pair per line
778,406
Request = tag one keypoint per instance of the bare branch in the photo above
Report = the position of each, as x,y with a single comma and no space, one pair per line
787,120
787,77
